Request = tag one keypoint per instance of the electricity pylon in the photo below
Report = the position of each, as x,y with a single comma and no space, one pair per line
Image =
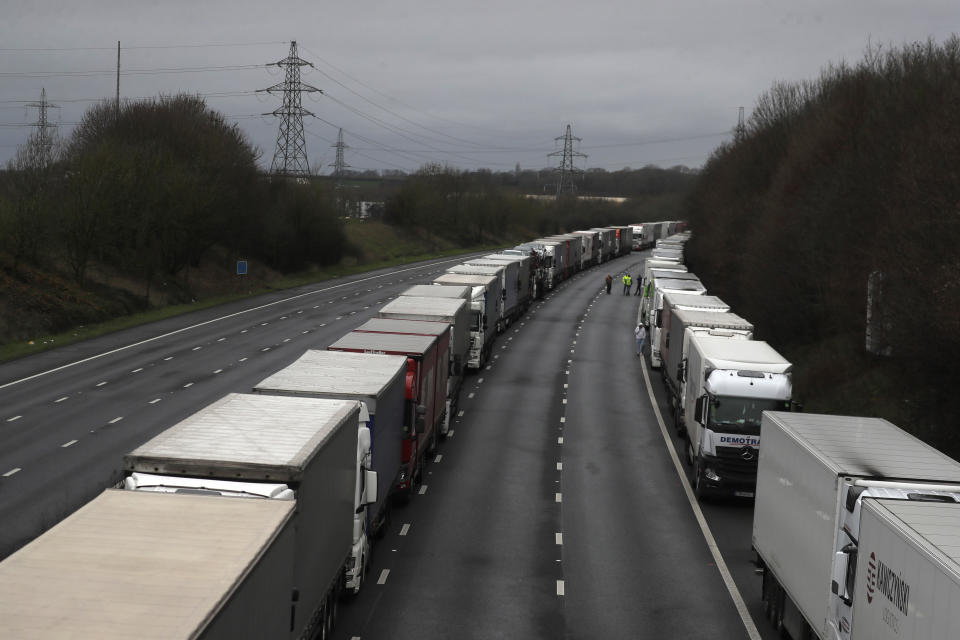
41,141
290,157
567,171
339,165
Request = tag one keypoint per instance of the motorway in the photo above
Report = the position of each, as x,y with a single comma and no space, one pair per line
554,508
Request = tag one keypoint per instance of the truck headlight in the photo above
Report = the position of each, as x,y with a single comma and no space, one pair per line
710,474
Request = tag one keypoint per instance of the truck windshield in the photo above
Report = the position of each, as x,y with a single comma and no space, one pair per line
741,415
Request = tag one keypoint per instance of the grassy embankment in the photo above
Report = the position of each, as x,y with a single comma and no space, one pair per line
373,246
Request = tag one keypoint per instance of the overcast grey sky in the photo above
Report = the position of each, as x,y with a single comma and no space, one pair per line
471,84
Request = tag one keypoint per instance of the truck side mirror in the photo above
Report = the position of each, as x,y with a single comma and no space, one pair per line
667,340
658,318
420,424
701,409
370,488
682,371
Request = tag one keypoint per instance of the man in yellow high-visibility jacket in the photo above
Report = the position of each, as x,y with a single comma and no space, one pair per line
627,283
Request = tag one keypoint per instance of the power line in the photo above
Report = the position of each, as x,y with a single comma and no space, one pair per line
166,46
127,72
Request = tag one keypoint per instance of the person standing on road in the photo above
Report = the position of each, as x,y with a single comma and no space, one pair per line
639,285
641,334
627,283
609,282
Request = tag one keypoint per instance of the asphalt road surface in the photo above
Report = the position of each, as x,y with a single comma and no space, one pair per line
552,510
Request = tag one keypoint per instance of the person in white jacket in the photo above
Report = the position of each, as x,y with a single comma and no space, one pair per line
641,334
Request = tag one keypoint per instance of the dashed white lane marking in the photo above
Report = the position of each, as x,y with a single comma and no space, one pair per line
12,471
488,367
383,576
558,538
559,587
168,358
211,321
366,307
188,385
479,380
496,356
323,324
218,371
562,419
263,324
405,529
14,418
220,339
559,466
564,401
283,317
423,489
242,359
265,349
67,444
460,413
566,386
62,399
438,458
560,440
558,497
137,370
450,433
154,401
245,330
305,332
286,339
116,420
698,513
471,395
339,318
101,383
196,349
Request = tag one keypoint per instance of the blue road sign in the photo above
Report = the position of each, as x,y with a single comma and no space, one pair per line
241,267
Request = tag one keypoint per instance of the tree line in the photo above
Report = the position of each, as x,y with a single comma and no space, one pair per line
833,223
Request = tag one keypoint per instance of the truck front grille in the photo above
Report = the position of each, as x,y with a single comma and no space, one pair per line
737,462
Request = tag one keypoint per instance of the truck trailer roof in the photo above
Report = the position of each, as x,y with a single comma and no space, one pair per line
696,302
932,527
718,320
132,564
866,447
446,308
385,343
337,373
431,291
246,436
472,279
412,327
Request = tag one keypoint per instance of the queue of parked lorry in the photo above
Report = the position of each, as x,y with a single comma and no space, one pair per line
320,449
856,526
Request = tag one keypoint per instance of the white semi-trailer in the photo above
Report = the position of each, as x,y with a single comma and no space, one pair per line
687,284
156,567
516,299
378,383
729,384
856,527
498,271
527,282
484,312
307,444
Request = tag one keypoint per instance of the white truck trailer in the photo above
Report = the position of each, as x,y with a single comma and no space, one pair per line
526,278
516,298
661,287
608,243
377,382
145,565
729,384
506,297
454,312
307,444
484,312
856,527
591,248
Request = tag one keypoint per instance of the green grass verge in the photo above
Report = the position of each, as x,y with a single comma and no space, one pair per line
16,350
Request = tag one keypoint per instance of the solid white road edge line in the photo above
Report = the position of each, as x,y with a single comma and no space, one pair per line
211,321
698,513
